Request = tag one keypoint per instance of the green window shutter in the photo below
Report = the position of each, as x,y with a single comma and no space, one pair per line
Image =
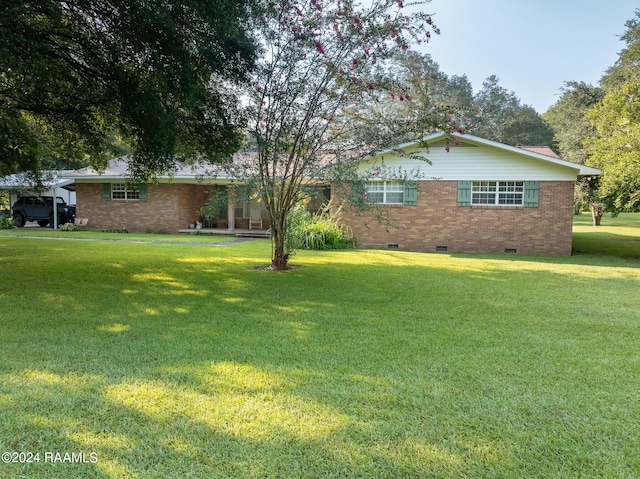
142,192
531,194
464,193
106,191
410,193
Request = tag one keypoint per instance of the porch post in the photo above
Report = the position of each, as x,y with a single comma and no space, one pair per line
231,208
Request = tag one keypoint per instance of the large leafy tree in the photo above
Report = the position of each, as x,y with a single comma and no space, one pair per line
499,115
615,144
322,61
567,117
627,67
158,72
615,147
433,93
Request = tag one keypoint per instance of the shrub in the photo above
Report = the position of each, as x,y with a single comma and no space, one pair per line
319,231
6,223
68,227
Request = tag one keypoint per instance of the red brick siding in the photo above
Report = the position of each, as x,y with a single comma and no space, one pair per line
438,221
169,207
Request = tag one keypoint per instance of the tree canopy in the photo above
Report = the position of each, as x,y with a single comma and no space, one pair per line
494,112
615,147
598,126
499,115
568,119
157,72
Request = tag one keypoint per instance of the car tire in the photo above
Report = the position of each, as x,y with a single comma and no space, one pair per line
18,220
43,223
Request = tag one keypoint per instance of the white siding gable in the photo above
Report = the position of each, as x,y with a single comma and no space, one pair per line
476,162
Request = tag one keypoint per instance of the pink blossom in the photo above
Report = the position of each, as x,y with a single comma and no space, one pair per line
428,34
457,142
447,149
400,5
371,87
392,96
429,21
376,173
320,48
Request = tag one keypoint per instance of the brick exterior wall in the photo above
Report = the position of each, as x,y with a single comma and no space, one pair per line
169,207
436,221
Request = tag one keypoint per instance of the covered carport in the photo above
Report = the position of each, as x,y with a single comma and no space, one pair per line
52,184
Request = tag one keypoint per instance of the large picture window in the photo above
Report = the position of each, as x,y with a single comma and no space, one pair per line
500,193
386,192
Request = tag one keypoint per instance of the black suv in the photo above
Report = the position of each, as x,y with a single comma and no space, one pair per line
40,209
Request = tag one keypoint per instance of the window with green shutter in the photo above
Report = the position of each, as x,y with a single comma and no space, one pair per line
498,193
106,191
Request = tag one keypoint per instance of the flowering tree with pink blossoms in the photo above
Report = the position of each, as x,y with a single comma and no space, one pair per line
324,63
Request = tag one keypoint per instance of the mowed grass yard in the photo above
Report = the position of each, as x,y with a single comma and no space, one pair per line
183,361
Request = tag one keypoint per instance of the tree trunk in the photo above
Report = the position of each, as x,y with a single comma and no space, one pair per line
279,257
597,211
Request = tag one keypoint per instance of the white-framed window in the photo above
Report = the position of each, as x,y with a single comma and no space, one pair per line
122,191
386,192
497,193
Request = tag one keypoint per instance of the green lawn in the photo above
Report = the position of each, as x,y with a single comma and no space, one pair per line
115,236
182,361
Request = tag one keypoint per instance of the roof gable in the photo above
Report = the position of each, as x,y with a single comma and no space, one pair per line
543,157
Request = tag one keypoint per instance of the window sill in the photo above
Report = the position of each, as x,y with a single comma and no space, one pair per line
497,207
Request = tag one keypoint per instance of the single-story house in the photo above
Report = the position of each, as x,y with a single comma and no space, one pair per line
475,196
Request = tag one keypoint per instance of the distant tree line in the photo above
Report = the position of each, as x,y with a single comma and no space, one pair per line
600,126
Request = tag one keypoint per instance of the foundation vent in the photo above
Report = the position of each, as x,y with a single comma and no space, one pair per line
392,246
510,250
441,249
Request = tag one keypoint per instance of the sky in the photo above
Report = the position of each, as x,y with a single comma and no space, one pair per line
532,46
